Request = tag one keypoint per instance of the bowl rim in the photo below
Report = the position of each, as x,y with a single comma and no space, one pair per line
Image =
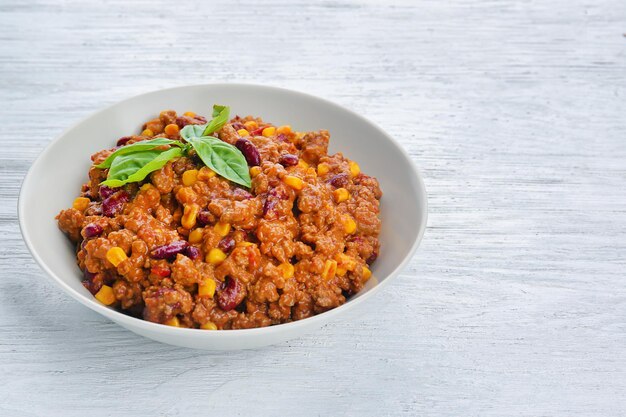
124,319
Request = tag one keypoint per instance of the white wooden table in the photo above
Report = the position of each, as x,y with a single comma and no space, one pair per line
515,113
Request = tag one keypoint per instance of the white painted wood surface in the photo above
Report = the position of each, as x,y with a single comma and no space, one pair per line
514,112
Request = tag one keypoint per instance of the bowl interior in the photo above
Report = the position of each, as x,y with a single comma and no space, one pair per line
55,178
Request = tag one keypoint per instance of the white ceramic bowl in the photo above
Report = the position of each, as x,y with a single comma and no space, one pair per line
55,178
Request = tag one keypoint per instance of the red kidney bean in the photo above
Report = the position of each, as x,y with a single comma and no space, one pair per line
230,294
107,191
271,200
204,217
93,282
372,257
269,205
161,271
238,126
241,194
169,251
114,203
339,180
249,151
183,121
92,230
278,193
192,252
87,285
123,141
227,244
288,160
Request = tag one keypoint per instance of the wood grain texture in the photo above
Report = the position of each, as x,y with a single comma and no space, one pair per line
514,112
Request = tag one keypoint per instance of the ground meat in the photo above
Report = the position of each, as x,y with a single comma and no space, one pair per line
129,294
283,250
163,179
163,303
314,145
184,272
156,126
228,134
242,214
71,222
167,117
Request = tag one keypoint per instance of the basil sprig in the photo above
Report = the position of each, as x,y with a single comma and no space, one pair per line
223,158
220,117
133,163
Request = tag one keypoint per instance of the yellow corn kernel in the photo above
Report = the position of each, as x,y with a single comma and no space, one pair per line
251,125
346,261
245,244
323,168
81,203
207,287
205,173
209,326
195,236
341,195
174,322
330,269
190,177
171,129
285,130
189,114
243,133
366,273
302,164
286,269
222,229
189,216
186,195
293,182
215,256
254,171
349,225
116,255
105,295
147,132
341,271
269,131
354,168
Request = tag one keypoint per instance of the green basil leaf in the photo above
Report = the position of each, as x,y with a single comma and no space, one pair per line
192,131
135,167
220,117
223,158
217,109
144,145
